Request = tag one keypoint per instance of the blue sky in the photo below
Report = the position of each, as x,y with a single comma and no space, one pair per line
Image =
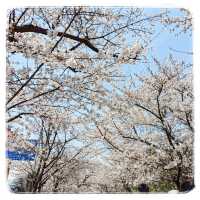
165,43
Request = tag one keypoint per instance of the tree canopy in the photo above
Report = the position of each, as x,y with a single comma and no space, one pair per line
98,127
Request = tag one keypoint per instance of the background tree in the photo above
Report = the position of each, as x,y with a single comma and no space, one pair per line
150,125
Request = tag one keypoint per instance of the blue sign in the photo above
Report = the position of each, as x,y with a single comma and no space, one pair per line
17,155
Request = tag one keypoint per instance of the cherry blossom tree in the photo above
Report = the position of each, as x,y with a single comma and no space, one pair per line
66,54
150,125
97,129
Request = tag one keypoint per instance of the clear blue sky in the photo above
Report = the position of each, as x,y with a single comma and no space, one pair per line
163,44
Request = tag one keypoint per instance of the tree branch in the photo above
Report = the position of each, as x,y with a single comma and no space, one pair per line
37,29
39,95
23,85
108,141
19,115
